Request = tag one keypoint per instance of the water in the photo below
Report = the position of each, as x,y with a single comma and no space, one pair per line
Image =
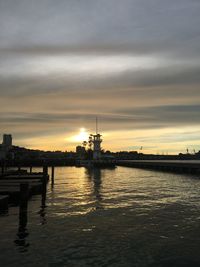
120,217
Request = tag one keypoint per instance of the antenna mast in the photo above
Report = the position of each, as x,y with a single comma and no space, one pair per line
96,125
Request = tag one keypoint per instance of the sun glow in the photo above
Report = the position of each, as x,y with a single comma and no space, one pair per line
82,136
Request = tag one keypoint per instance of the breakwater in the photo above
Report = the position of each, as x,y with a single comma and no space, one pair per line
180,166
17,186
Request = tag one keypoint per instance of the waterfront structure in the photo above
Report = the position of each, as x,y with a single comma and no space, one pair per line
179,166
6,146
96,140
93,156
7,142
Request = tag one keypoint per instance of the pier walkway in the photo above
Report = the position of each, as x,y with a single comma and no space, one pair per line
16,187
182,166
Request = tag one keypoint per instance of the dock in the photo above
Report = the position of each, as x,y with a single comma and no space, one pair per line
21,184
11,187
178,166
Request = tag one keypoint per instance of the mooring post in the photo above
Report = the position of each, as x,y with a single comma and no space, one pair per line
44,184
43,194
5,167
45,175
4,203
44,178
2,168
22,231
52,175
24,194
45,172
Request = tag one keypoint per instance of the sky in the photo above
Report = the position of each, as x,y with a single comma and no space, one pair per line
134,64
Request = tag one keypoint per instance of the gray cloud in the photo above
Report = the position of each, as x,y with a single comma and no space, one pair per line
135,63
161,116
73,21
167,115
94,72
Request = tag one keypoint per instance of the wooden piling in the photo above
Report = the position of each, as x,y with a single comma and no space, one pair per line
2,168
45,171
44,185
23,207
24,194
52,175
3,203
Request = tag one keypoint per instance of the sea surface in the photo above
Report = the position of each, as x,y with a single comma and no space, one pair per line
109,217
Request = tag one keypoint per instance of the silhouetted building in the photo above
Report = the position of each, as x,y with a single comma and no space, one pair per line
6,146
7,142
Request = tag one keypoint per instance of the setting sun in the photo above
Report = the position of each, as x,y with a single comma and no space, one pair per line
82,136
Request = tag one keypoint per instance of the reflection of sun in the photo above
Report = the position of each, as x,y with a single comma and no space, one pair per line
82,136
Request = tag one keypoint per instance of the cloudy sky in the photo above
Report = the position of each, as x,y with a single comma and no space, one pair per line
133,63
